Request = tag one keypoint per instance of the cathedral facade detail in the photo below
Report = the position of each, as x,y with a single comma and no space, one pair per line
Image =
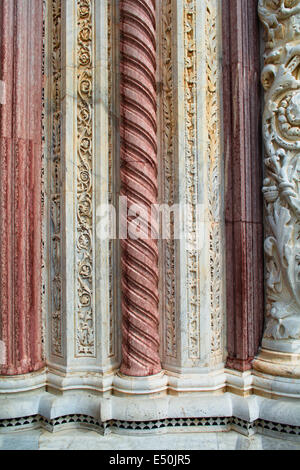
149,211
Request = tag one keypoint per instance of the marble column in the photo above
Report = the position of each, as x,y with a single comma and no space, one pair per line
243,197
139,259
280,353
20,186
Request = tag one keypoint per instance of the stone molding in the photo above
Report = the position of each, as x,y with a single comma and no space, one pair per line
183,414
186,425
265,381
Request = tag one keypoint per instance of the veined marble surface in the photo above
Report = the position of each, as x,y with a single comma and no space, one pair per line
90,440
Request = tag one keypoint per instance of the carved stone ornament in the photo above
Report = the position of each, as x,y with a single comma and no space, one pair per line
214,179
56,182
281,131
85,344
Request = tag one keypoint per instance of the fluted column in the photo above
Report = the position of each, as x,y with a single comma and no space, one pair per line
139,259
243,197
20,185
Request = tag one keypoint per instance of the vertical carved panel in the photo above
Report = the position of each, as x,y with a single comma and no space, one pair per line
55,181
192,175
191,178
112,54
281,132
167,129
80,181
110,45
85,341
44,187
214,178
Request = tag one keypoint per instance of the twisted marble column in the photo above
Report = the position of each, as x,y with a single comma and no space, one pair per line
139,261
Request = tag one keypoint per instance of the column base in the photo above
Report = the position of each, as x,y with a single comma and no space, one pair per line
239,383
213,382
59,381
276,374
278,364
23,383
143,386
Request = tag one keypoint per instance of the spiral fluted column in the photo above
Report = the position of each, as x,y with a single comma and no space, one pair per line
139,259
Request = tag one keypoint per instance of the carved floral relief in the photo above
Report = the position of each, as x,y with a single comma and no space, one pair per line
85,342
281,131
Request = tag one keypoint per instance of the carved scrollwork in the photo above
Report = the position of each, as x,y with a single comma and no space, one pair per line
168,129
193,295
214,178
85,343
56,183
281,130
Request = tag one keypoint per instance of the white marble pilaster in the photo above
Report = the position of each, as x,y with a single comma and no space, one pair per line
191,174
78,328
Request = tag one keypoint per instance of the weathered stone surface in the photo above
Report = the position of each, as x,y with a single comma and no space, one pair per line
89,440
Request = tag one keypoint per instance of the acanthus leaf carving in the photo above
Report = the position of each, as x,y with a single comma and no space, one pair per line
281,130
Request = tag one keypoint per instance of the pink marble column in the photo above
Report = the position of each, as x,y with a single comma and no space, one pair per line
139,260
20,185
244,224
